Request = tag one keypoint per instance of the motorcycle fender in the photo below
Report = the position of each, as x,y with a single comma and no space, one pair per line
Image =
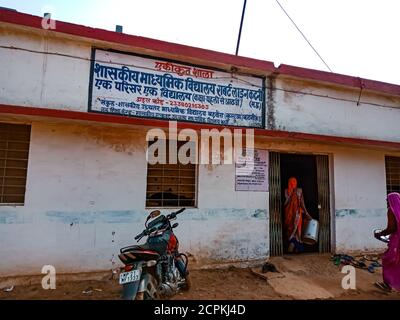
144,281
130,290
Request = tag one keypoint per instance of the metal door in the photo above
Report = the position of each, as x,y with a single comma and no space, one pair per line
324,203
275,220
275,204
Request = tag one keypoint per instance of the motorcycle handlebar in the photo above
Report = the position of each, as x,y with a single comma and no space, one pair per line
174,214
180,211
147,232
139,236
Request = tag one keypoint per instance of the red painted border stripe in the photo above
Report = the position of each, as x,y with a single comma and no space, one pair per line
198,53
339,79
136,41
154,123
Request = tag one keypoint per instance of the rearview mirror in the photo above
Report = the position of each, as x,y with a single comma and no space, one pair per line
154,214
175,225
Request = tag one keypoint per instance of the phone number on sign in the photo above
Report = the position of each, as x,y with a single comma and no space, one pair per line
174,103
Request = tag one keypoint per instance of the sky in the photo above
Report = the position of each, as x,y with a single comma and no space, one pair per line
354,37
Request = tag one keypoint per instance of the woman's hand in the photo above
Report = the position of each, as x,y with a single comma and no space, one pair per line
377,235
308,217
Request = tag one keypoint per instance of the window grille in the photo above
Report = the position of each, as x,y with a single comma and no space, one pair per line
14,151
171,185
392,165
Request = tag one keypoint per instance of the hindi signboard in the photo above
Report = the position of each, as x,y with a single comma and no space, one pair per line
130,85
256,177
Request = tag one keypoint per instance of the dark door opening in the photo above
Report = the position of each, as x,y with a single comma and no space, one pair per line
304,169
312,173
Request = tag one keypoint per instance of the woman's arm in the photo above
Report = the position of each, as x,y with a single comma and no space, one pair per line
287,197
303,206
391,225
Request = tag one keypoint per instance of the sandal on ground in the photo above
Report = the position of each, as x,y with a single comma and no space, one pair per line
371,258
383,286
376,264
371,269
359,264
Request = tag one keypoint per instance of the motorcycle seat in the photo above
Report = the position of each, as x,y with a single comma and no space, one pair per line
142,247
138,252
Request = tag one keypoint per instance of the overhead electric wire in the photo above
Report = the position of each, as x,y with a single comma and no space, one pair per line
116,63
241,80
305,38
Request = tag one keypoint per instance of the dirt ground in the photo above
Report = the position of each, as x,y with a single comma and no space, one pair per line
299,277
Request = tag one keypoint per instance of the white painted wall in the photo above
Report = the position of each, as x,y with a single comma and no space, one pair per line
33,79
305,107
360,199
30,78
86,182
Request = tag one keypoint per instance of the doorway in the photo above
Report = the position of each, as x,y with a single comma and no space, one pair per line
304,169
312,174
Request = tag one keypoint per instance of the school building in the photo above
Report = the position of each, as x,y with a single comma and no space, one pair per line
76,104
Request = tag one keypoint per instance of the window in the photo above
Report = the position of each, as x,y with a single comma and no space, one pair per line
171,185
392,165
14,150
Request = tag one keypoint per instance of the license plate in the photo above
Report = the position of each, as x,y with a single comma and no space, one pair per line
131,276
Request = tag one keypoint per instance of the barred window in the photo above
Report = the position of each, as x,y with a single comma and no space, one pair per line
392,165
14,150
171,185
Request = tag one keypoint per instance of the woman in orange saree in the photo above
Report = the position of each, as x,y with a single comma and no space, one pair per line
295,211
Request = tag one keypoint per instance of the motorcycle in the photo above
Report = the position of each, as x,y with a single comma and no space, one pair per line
156,269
